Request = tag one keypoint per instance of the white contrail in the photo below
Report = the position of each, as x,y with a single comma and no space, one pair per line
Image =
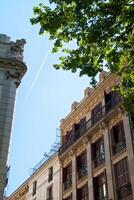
36,77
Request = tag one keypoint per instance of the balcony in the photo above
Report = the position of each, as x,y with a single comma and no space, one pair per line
117,147
124,191
99,160
90,123
82,172
67,183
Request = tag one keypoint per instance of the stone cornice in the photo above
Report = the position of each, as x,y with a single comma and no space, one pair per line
20,192
90,101
13,64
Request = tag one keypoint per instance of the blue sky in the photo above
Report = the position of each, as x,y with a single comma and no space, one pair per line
36,117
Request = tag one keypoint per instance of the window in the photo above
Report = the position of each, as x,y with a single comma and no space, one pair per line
67,176
111,99
50,174
82,125
82,193
100,187
118,137
34,188
98,154
81,165
96,113
50,193
123,185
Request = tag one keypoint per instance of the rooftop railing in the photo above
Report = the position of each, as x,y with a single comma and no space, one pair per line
102,112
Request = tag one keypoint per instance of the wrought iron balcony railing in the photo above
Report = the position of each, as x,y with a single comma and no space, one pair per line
99,160
90,123
124,191
82,172
117,147
67,183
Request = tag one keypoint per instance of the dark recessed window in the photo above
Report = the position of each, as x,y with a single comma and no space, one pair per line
82,193
98,153
50,174
34,188
50,193
96,113
100,187
118,137
67,176
81,165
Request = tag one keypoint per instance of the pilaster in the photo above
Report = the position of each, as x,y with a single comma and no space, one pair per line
74,177
108,163
90,173
129,146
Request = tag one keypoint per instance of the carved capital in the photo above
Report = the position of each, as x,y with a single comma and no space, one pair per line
85,140
102,125
17,76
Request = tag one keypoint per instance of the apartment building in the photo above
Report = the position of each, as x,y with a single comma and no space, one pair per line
43,184
97,155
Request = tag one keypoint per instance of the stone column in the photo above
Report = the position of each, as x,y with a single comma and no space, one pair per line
90,173
74,177
7,100
12,70
129,146
108,164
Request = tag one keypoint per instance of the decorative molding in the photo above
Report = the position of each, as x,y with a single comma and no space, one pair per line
85,140
96,137
13,64
17,76
102,125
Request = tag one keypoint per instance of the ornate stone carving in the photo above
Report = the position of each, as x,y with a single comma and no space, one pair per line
85,140
102,125
96,136
16,49
16,76
4,38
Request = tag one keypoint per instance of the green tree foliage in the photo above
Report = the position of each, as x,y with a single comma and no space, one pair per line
104,33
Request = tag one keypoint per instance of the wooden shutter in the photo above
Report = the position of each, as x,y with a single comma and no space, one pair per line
121,172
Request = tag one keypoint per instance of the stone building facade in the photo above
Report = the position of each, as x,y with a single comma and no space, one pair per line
44,183
12,69
97,155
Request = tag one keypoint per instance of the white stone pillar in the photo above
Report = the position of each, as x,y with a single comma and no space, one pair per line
74,177
108,163
90,173
129,146
61,183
